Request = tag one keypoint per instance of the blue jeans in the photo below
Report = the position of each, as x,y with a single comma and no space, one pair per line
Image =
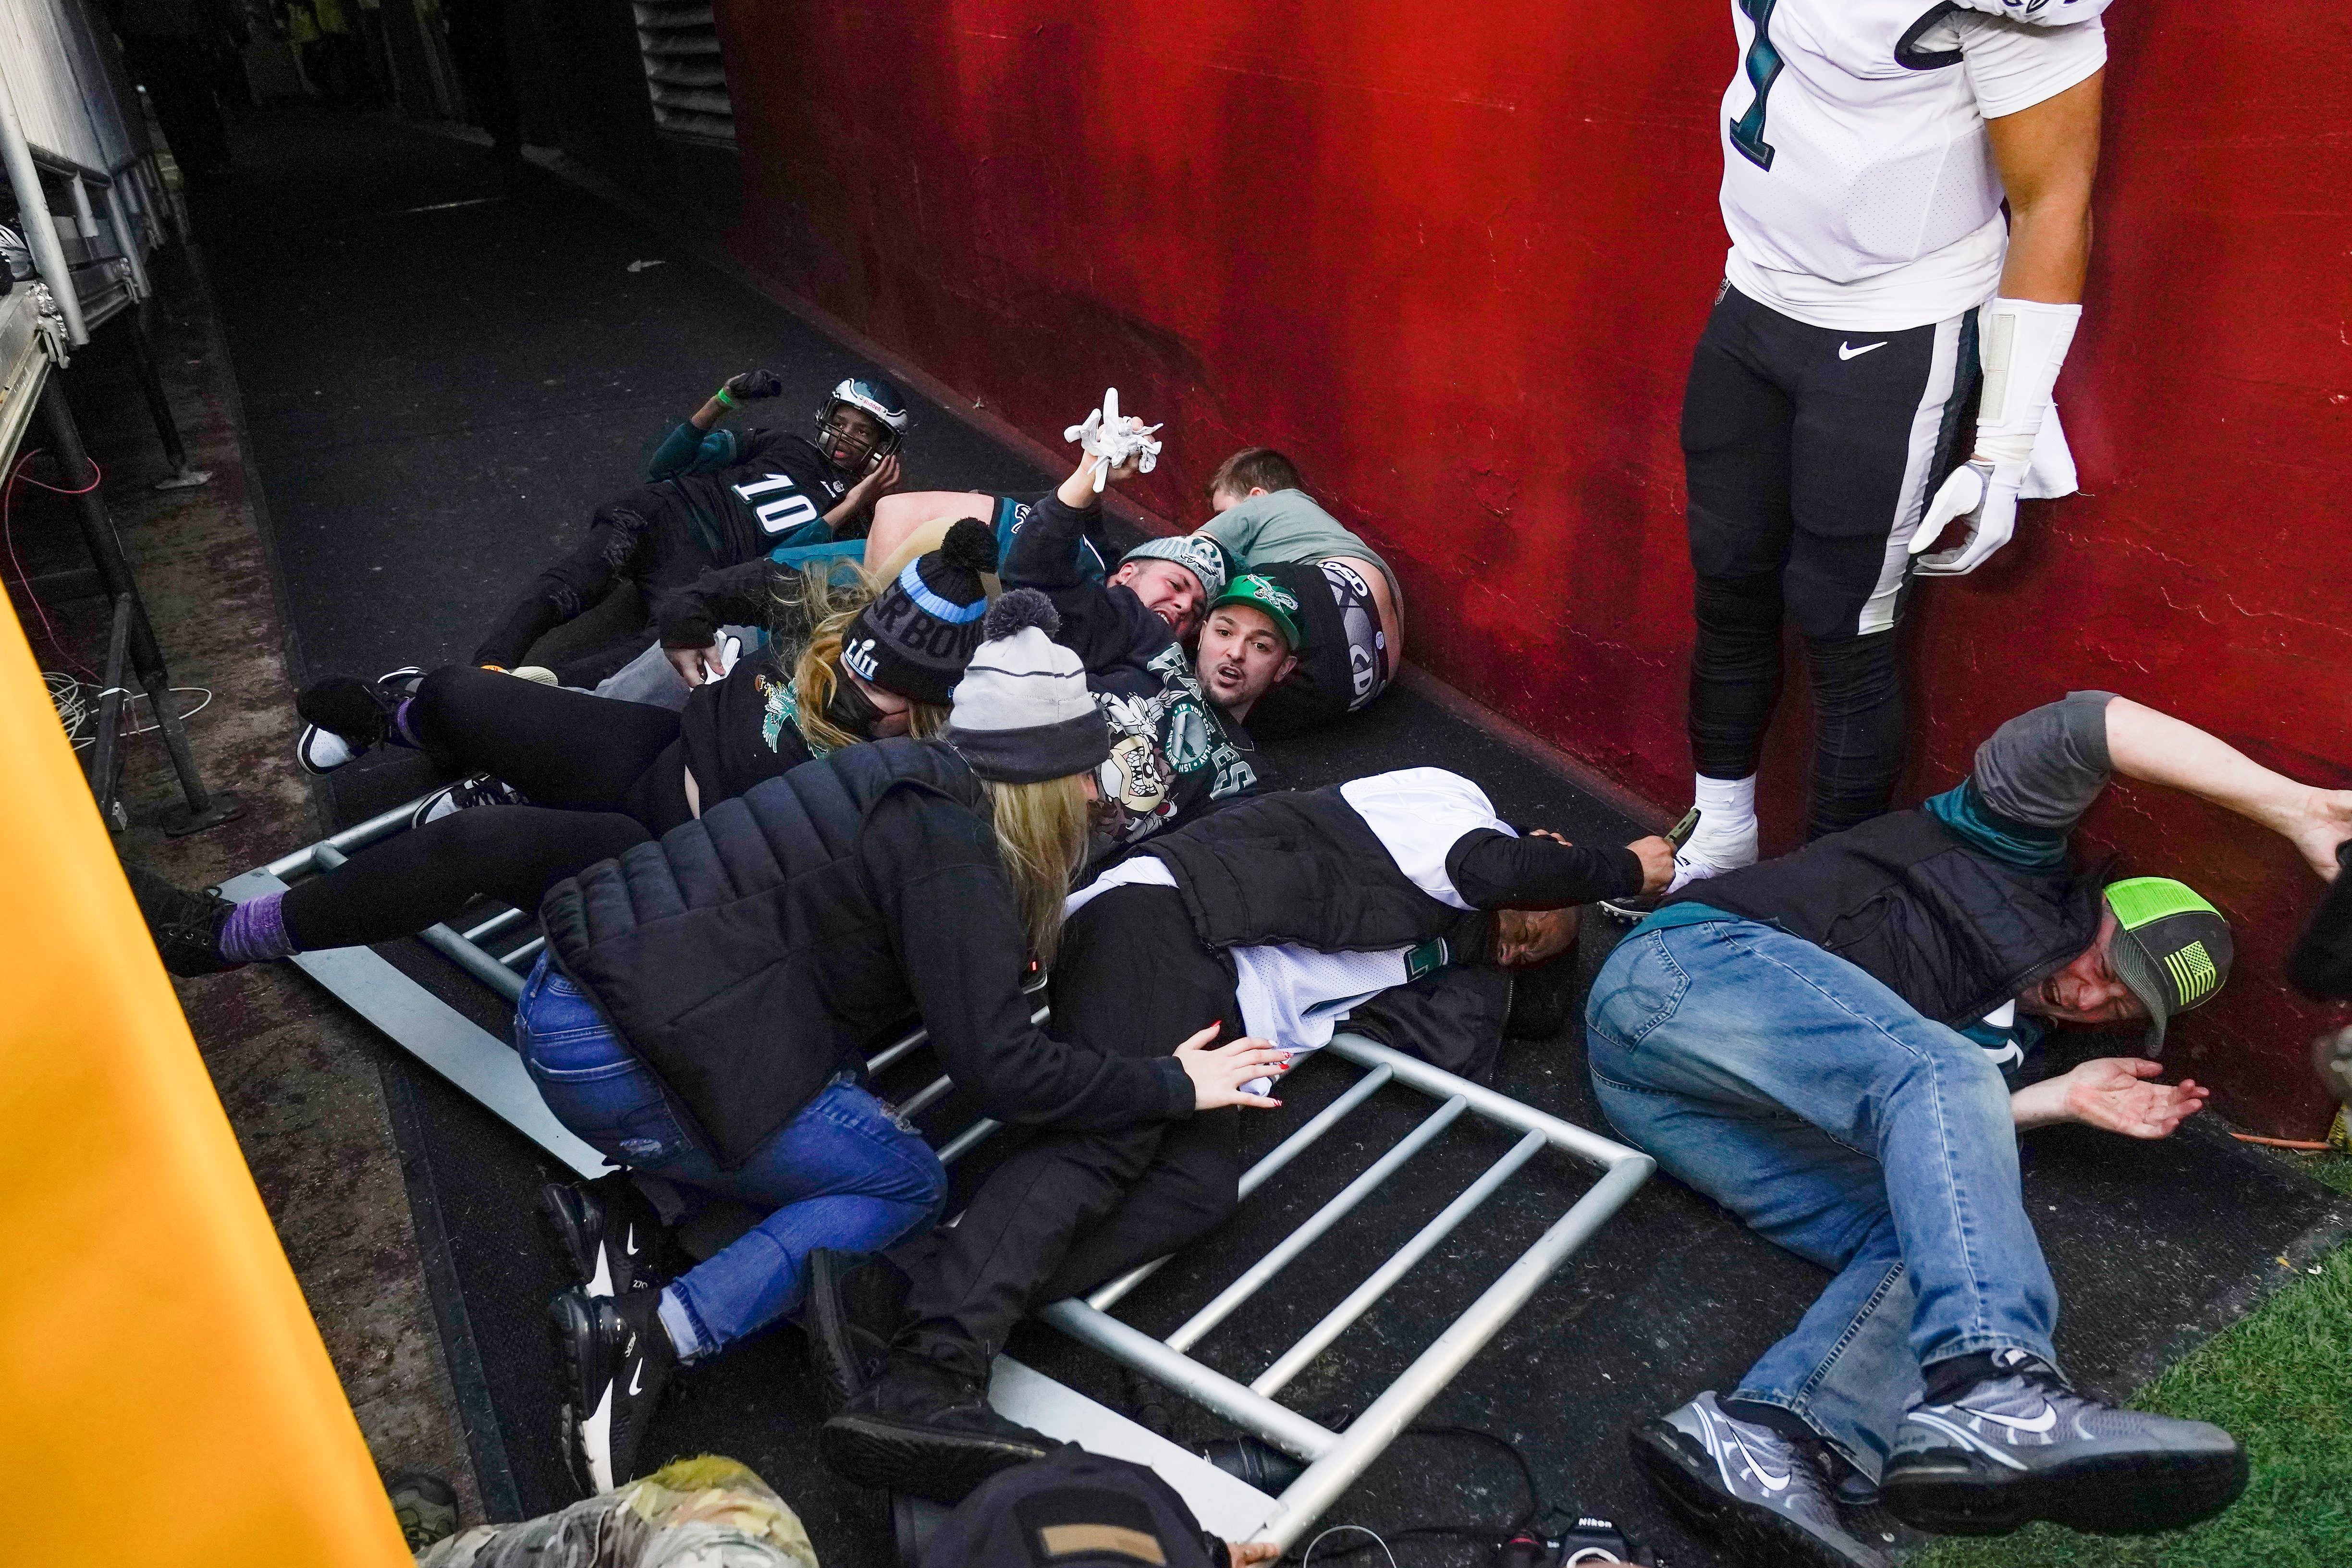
1819,1107
845,1172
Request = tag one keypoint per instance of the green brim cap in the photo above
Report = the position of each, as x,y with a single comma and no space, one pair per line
1269,598
2173,950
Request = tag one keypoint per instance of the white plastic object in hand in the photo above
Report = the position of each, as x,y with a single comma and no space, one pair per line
1114,439
727,655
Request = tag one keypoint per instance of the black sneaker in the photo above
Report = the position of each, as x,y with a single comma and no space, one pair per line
617,1359
464,795
1759,1493
855,1303
611,1250
919,1427
2020,1445
186,924
345,716
425,1504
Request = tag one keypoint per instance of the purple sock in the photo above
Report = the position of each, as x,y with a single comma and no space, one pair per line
256,930
402,736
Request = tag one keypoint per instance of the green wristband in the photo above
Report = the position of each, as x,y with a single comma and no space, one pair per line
724,398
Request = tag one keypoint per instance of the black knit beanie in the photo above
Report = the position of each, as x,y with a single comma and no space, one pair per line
919,631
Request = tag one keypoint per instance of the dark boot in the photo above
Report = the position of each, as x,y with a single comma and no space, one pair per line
855,1303
184,923
918,1428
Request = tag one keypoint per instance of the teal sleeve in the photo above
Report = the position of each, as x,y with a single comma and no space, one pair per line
1962,809
686,450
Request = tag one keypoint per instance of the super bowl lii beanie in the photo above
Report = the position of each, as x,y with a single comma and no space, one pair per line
919,631
1023,713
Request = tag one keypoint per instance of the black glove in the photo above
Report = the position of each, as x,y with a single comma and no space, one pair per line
2321,964
752,386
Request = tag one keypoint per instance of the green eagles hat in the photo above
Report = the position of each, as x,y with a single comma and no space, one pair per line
1269,598
2173,951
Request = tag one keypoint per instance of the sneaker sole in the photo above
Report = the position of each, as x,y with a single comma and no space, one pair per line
1759,1537
587,1411
585,1255
2138,1494
900,1457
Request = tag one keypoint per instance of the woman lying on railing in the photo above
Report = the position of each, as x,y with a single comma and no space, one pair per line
599,775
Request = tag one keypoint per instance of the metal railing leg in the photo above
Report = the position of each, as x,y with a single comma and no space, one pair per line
202,808
159,407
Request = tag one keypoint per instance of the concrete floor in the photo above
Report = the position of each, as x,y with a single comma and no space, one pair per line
299,1077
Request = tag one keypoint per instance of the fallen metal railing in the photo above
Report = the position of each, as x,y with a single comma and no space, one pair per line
487,1068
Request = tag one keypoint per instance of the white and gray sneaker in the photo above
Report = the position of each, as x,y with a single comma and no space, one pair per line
1761,1495
1702,858
464,795
2020,1445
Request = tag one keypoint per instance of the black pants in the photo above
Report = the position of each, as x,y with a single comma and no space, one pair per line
1343,664
1811,454
602,775
648,536
1071,1210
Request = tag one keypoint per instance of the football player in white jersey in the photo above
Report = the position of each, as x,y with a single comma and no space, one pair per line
1875,301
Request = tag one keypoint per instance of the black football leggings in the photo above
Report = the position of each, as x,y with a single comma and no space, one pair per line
1809,456
601,775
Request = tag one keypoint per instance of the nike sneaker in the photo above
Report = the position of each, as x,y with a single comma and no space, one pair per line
1762,1494
617,1359
345,718
184,923
919,1427
2020,1445
610,1249
464,795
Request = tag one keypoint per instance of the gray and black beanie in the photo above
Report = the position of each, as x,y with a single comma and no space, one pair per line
919,631
1196,552
1023,713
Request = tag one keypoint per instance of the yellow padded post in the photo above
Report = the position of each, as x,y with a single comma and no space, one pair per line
165,1398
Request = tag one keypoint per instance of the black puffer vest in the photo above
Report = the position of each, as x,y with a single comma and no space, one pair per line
742,957
1302,867
1950,930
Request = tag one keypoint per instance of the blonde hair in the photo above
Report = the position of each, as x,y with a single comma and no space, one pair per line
1041,835
829,607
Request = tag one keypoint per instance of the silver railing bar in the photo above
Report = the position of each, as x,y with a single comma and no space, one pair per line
1254,1278
923,1099
525,953
1439,1084
1283,1427
304,860
1370,1433
898,1050
494,925
1289,1149
1359,1301
963,1143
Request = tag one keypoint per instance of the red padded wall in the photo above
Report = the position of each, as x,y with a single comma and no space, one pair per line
1454,260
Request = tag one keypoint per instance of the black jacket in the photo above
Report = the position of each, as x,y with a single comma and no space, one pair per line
748,955
1953,932
1135,668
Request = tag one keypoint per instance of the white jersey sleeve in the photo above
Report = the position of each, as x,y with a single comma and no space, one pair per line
2013,66
2039,13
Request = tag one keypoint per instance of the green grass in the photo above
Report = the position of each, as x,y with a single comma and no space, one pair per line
2281,1380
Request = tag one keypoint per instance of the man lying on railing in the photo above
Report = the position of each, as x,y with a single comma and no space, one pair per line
1274,917
1819,1044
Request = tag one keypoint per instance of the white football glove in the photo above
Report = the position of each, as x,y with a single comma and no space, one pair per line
2025,342
1982,494
1114,439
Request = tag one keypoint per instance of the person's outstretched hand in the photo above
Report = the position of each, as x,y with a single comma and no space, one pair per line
2117,1094
2327,822
754,384
1245,1553
1218,1072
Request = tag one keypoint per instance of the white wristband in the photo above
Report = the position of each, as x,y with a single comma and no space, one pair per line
2025,342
